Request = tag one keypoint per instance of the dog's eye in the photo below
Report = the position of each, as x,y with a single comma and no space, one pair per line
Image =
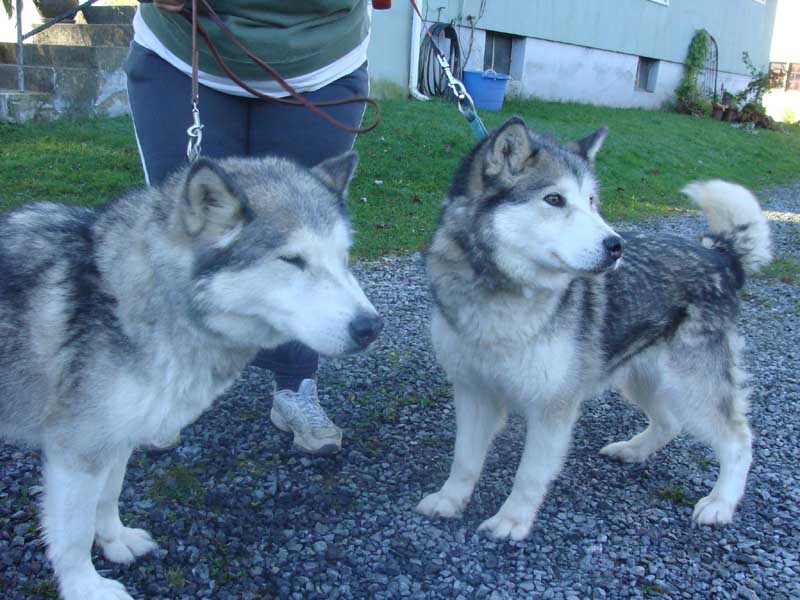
556,200
297,261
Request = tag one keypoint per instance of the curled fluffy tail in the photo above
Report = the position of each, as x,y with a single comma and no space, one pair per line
735,219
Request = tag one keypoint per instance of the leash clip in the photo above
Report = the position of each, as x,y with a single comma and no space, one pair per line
464,100
454,84
195,133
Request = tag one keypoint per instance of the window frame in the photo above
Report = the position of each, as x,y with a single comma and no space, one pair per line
493,35
792,83
651,71
779,70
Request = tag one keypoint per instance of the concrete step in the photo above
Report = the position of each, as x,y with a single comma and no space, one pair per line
37,79
86,35
18,107
109,15
51,55
66,80
52,92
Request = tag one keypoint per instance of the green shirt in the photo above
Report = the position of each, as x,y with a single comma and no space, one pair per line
295,37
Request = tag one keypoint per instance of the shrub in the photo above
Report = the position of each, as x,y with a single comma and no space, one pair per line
689,98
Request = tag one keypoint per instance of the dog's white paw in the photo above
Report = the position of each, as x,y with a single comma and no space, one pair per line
504,527
439,504
90,586
713,510
130,544
625,452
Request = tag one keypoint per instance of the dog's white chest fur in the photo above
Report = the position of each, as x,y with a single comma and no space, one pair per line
508,355
164,398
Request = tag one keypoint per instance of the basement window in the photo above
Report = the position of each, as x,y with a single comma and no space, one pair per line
497,52
646,74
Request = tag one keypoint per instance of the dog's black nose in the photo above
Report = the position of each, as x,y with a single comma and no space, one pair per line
614,245
365,328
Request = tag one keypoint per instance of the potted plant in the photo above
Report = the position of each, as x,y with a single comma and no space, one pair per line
727,97
50,9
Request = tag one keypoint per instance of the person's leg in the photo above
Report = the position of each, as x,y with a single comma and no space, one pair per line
290,364
297,133
160,101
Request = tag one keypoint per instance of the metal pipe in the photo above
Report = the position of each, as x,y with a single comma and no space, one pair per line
20,63
413,67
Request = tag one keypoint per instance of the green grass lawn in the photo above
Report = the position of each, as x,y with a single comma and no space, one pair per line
406,164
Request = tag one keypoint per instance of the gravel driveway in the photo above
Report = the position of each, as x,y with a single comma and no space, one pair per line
239,515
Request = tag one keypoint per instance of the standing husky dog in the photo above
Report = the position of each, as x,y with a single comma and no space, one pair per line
119,326
535,311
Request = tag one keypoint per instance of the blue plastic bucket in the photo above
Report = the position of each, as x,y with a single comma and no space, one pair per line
487,88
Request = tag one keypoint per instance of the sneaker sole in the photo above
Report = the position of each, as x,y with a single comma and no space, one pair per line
324,450
303,444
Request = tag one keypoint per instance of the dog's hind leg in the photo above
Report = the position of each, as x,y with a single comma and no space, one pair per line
120,544
549,430
478,419
71,492
647,389
732,445
722,407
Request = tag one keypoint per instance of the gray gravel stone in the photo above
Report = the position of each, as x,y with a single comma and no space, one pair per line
249,518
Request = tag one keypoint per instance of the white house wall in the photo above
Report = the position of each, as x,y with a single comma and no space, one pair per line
636,27
586,50
564,72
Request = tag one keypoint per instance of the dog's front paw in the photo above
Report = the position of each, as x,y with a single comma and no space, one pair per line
505,526
130,544
90,586
440,504
625,452
713,510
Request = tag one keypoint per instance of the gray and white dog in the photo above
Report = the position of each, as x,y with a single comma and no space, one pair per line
119,326
537,311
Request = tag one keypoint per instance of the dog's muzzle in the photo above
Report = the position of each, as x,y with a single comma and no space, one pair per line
364,329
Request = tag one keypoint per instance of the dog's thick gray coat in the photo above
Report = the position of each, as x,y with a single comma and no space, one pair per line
120,325
536,311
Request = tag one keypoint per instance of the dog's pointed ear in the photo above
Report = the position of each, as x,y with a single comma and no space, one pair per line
589,146
337,173
509,148
212,203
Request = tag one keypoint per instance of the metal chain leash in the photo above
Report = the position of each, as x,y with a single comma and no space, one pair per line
464,101
195,131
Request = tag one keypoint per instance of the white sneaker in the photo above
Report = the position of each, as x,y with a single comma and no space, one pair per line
300,413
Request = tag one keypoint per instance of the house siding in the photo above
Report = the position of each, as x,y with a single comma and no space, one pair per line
588,51
638,27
